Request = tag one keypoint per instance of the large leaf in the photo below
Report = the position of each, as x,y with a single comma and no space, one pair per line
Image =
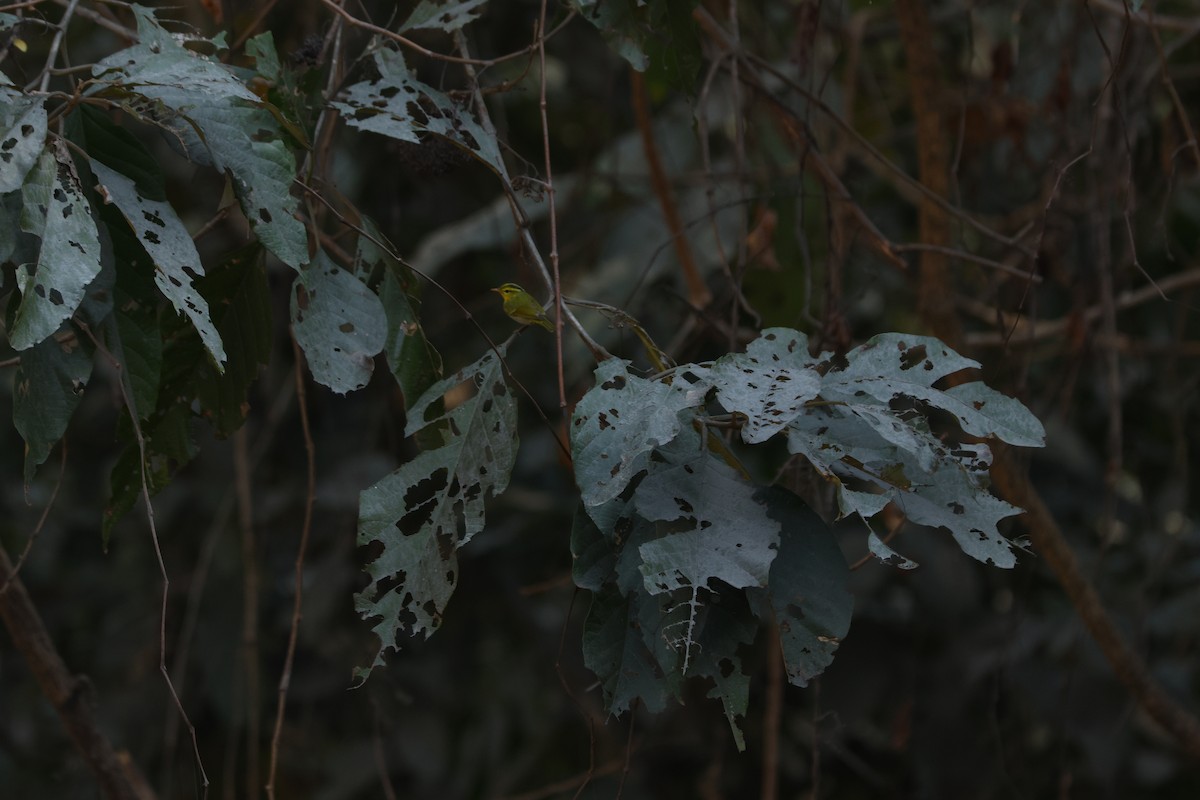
619,422
769,383
614,648
411,357
864,418
808,593
402,107
340,324
215,120
421,514
57,212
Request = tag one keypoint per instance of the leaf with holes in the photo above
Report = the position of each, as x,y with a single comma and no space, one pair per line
421,514
447,16
619,422
215,120
398,105
769,383
22,136
56,211
339,323
167,242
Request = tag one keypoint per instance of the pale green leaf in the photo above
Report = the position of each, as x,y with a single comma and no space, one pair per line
401,107
339,323
162,235
427,509
57,212
619,422
769,383
448,16
216,121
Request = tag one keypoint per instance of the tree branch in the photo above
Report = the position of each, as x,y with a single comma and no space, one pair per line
117,776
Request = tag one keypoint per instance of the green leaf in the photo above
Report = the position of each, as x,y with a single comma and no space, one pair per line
339,323
719,532
769,383
427,509
729,625
619,24
862,419
446,16
47,387
22,136
619,422
118,149
166,241
239,296
655,36
614,648
411,357
401,107
808,591
57,212
217,121
266,61
237,292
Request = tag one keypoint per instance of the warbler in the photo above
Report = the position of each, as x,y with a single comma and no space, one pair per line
521,307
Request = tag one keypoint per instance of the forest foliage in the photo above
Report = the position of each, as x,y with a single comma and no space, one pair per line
723,459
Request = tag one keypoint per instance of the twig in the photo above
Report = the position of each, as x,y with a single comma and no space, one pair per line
934,288
99,19
122,384
553,208
410,44
1022,331
519,217
55,44
285,677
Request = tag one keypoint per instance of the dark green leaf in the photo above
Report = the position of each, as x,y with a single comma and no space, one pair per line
47,387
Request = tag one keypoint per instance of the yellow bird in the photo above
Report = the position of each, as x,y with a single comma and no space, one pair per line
520,306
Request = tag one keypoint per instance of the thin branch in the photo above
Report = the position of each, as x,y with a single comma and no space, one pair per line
350,19
55,44
122,384
104,22
1022,331
520,218
1150,18
285,677
553,208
